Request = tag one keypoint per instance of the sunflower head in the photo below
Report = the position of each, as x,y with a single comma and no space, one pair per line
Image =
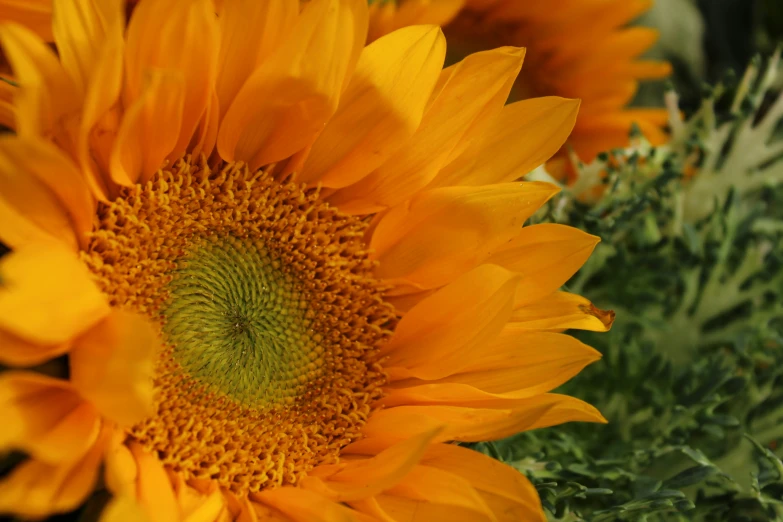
285,267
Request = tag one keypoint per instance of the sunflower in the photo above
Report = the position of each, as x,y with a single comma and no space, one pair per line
576,49
286,270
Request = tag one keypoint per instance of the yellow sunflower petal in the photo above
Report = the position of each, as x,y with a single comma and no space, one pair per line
30,213
205,137
112,365
80,31
390,425
387,16
102,93
123,509
523,136
401,509
442,233
256,512
561,311
498,419
46,94
359,479
474,90
546,256
45,417
185,44
47,295
209,509
453,322
7,111
149,128
250,30
36,15
40,160
198,505
285,103
18,352
153,487
457,394
522,361
381,108
301,505
37,489
496,482
517,365
442,493
121,470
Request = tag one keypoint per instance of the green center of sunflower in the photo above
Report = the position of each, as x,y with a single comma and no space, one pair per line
269,314
238,321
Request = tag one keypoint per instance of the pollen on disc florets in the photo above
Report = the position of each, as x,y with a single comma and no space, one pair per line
269,315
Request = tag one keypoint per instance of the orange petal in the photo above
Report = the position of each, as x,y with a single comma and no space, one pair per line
520,361
497,420
523,136
492,479
45,417
596,134
473,92
381,108
153,487
562,311
451,323
112,365
390,425
47,295
46,94
206,133
517,365
29,211
363,478
123,509
452,394
150,128
45,162
185,45
250,31
37,489
207,510
121,469
301,505
389,16
442,233
36,15
649,69
18,352
546,256
401,509
260,513
442,491
7,111
80,32
198,505
285,103
103,92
